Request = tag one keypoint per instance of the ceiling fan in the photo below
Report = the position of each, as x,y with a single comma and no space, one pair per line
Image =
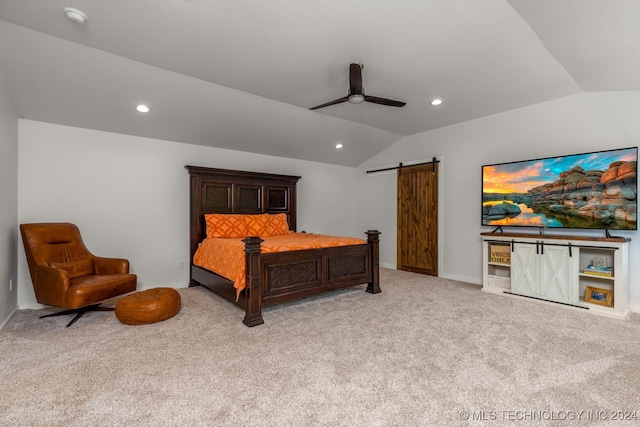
356,92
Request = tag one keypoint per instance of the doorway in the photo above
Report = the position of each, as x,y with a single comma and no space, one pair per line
418,218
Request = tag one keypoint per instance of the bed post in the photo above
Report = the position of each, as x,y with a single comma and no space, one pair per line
374,241
253,308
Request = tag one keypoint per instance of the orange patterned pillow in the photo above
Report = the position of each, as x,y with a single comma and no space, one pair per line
278,225
258,225
226,225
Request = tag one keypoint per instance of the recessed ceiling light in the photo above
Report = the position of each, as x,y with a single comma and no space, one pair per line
141,108
339,146
75,15
436,101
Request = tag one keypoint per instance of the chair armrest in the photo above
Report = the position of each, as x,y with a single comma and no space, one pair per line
50,285
103,265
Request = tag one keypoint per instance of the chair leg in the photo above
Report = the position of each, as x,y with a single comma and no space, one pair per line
79,312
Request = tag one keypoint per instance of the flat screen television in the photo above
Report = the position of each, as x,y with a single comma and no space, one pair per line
595,190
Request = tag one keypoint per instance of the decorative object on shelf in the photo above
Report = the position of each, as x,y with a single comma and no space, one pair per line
599,296
500,254
599,261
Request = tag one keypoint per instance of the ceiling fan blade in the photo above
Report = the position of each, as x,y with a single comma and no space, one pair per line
356,92
384,101
355,79
334,102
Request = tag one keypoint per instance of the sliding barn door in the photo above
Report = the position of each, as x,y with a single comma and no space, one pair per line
418,219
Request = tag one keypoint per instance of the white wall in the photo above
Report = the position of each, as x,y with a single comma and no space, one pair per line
575,124
8,205
130,195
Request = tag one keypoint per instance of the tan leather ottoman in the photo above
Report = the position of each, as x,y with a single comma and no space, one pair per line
150,306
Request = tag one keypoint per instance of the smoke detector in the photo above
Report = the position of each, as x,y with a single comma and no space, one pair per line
75,15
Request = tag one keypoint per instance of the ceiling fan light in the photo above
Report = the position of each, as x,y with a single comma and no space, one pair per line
356,99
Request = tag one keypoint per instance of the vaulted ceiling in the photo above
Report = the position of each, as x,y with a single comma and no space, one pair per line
243,74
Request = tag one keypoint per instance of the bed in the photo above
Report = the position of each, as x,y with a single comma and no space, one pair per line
276,277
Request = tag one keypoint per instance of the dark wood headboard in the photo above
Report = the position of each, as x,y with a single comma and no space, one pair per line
232,191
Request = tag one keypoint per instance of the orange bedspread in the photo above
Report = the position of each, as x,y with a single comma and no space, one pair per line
226,256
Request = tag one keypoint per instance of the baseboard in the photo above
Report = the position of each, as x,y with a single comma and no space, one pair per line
634,308
31,306
472,280
8,318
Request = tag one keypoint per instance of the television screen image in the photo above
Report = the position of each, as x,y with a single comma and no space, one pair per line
595,190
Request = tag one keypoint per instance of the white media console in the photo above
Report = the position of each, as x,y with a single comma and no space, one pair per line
584,273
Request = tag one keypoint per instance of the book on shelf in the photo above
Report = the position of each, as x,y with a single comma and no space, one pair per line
591,267
598,271
500,254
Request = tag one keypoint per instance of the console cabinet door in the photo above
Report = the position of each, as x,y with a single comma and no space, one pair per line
524,269
559,274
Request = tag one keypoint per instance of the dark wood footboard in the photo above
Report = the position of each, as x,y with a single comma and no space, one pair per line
277,277
284,276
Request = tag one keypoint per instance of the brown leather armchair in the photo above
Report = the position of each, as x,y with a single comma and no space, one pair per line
65,274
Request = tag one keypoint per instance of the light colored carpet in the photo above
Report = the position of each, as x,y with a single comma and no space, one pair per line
418,354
